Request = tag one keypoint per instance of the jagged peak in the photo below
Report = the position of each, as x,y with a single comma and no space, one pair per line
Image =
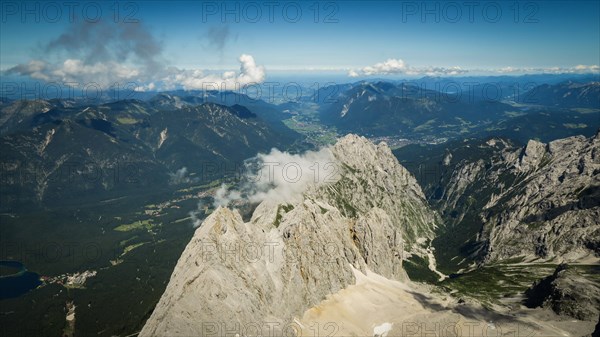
359,153
354,149
534,148
361,143
351,139
369,217
531,155
220,220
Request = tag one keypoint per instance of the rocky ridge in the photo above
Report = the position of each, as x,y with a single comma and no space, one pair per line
290,257
537,202
552,209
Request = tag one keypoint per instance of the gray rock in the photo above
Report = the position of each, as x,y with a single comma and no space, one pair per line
265,273
552,212
539,202
567,293
531,156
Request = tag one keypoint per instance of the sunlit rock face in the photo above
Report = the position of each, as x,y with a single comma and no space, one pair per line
289,257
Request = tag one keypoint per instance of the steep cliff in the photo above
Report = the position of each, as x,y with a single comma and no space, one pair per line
552,210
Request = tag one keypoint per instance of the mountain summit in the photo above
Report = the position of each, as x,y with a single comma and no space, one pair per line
290,257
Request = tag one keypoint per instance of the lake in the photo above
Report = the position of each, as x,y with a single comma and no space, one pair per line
16,280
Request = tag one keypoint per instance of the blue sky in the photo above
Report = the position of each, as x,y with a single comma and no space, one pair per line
361,36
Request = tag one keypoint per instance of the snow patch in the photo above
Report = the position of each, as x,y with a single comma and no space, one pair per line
382,330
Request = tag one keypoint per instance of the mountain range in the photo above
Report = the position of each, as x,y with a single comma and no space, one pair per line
58,150
501,201
470,210
336,253
412,111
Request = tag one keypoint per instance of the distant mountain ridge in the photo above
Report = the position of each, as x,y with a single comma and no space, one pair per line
153,138
383,108
502,202
419,112
568,95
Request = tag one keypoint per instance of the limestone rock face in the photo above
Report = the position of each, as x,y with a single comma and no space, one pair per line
538,202
263,274
531,156
567,293
552,211
372,177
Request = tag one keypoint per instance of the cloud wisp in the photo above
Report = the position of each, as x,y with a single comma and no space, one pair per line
280,177
399,67
578,69
190,79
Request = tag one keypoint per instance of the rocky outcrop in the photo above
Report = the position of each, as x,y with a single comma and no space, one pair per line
552,209
566,293
538,202
290,257
531,156
372,177
596,332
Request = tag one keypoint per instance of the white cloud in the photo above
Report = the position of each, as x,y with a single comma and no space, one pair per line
35,69
181,177
147,87
195,215
399,67
578,69
73,70
391,66
223,196
281,177
585,69
128,55
191,79
107,73
284,177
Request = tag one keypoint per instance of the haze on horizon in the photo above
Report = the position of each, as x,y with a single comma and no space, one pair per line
186,44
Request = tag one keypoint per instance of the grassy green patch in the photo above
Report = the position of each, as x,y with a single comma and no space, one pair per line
418,270
132,247
127,120
287,208
126,241
575,125
514,113
586,110
425,126
136,225
490,284
282,209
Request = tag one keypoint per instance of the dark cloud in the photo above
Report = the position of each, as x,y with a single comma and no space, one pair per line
218,37
109,42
